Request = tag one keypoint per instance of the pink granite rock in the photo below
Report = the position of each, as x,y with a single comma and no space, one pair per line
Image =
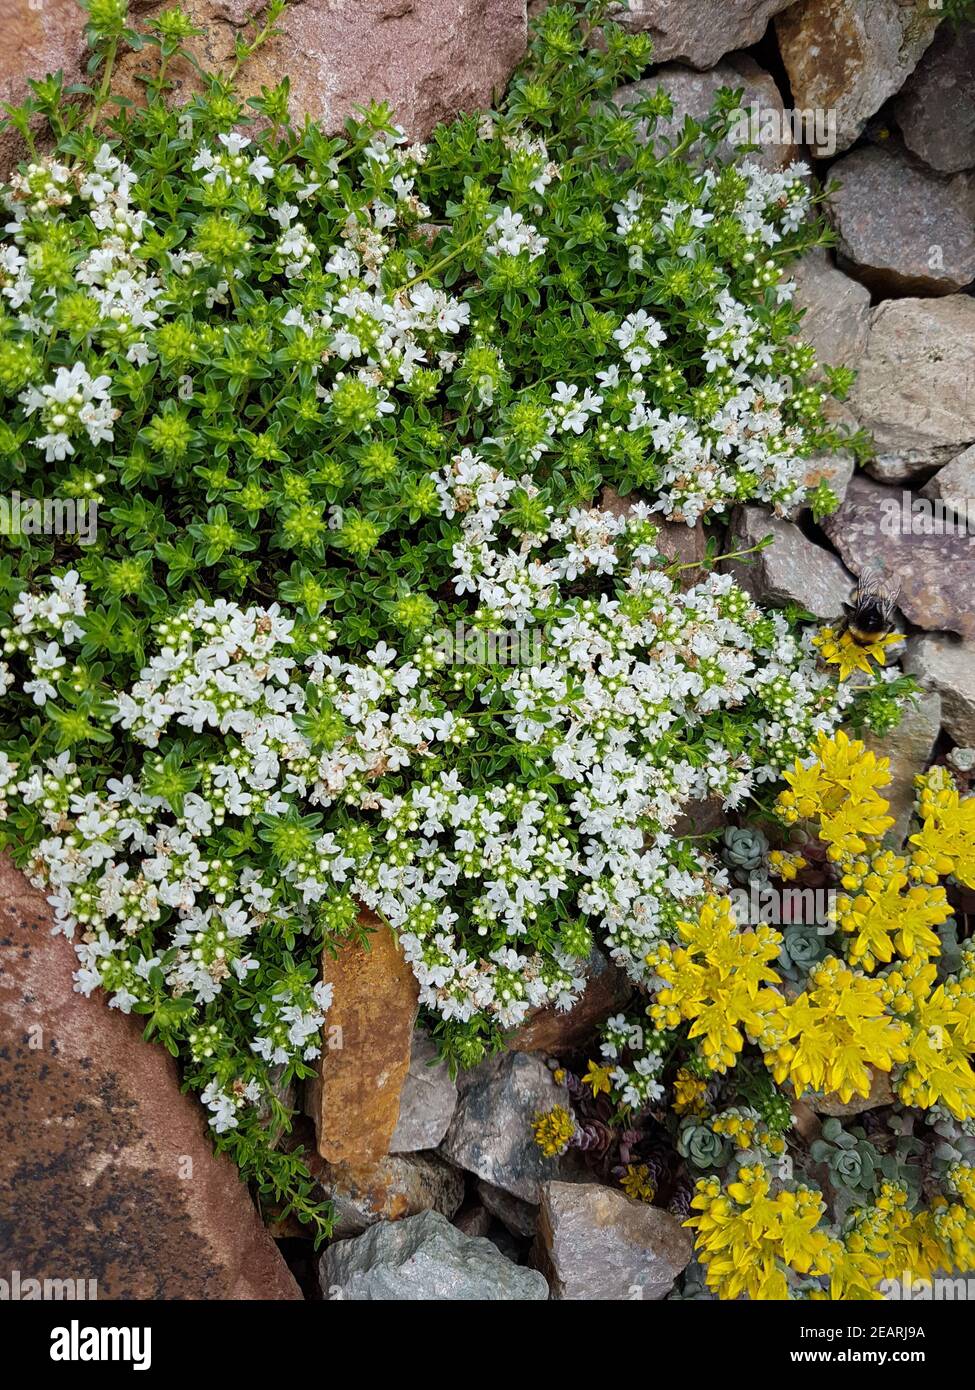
107,1172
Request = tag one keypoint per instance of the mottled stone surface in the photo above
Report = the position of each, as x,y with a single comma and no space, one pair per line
790,570
935,109
38,38
424,1259
552,1030
693,94
491,1133
429,59
355,1098
849,56
692,31
915,391
836,317
398,1186
909,748
681,544
595,1244
936,573
107,1171
427,1101
954,486
947,665
901,229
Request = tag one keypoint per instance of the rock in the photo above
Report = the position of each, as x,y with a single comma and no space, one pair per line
38,38
947,666
880,1094
680,544
549,1030
397,1187
429,59
691,32
954,485
693,94
936,572
915,391
791,570
491,1133
849,56
836,321
107,1170
935,109
596,1244
424,1259
909,748
355,1097
474,1220
901,229
517,1216
427,1101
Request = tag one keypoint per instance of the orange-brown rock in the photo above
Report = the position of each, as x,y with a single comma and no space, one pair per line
106,1170
880,1094
354,1100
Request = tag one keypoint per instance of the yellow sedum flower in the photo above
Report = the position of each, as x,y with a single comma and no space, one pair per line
941,1019
744,1236
598,1079
946,841
839,649
637,1183
690,1093
718,981
840,787
553,1129
888,914
830,1036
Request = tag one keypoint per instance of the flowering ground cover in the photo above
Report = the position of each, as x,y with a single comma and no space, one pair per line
334,396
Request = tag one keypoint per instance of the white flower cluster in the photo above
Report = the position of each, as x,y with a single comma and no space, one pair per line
600,746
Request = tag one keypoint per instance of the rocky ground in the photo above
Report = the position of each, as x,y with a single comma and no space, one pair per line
438,1187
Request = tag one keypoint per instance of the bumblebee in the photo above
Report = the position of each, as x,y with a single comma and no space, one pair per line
870,617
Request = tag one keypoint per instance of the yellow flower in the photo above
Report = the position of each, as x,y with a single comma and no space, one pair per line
553,1130
842,651
840,786
938,1066
690,1093
889,914
946,841
597,1078
717,979
637,1183
830,1035
745,1237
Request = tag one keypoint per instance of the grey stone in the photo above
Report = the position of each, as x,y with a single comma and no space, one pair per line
849,56
836,321
596,1244
791,570
427,1101
875,529
691,31
491,1133
693,94
424,1259
954,485
515,1214
948,666
909,748
915,391
901,229
936,107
